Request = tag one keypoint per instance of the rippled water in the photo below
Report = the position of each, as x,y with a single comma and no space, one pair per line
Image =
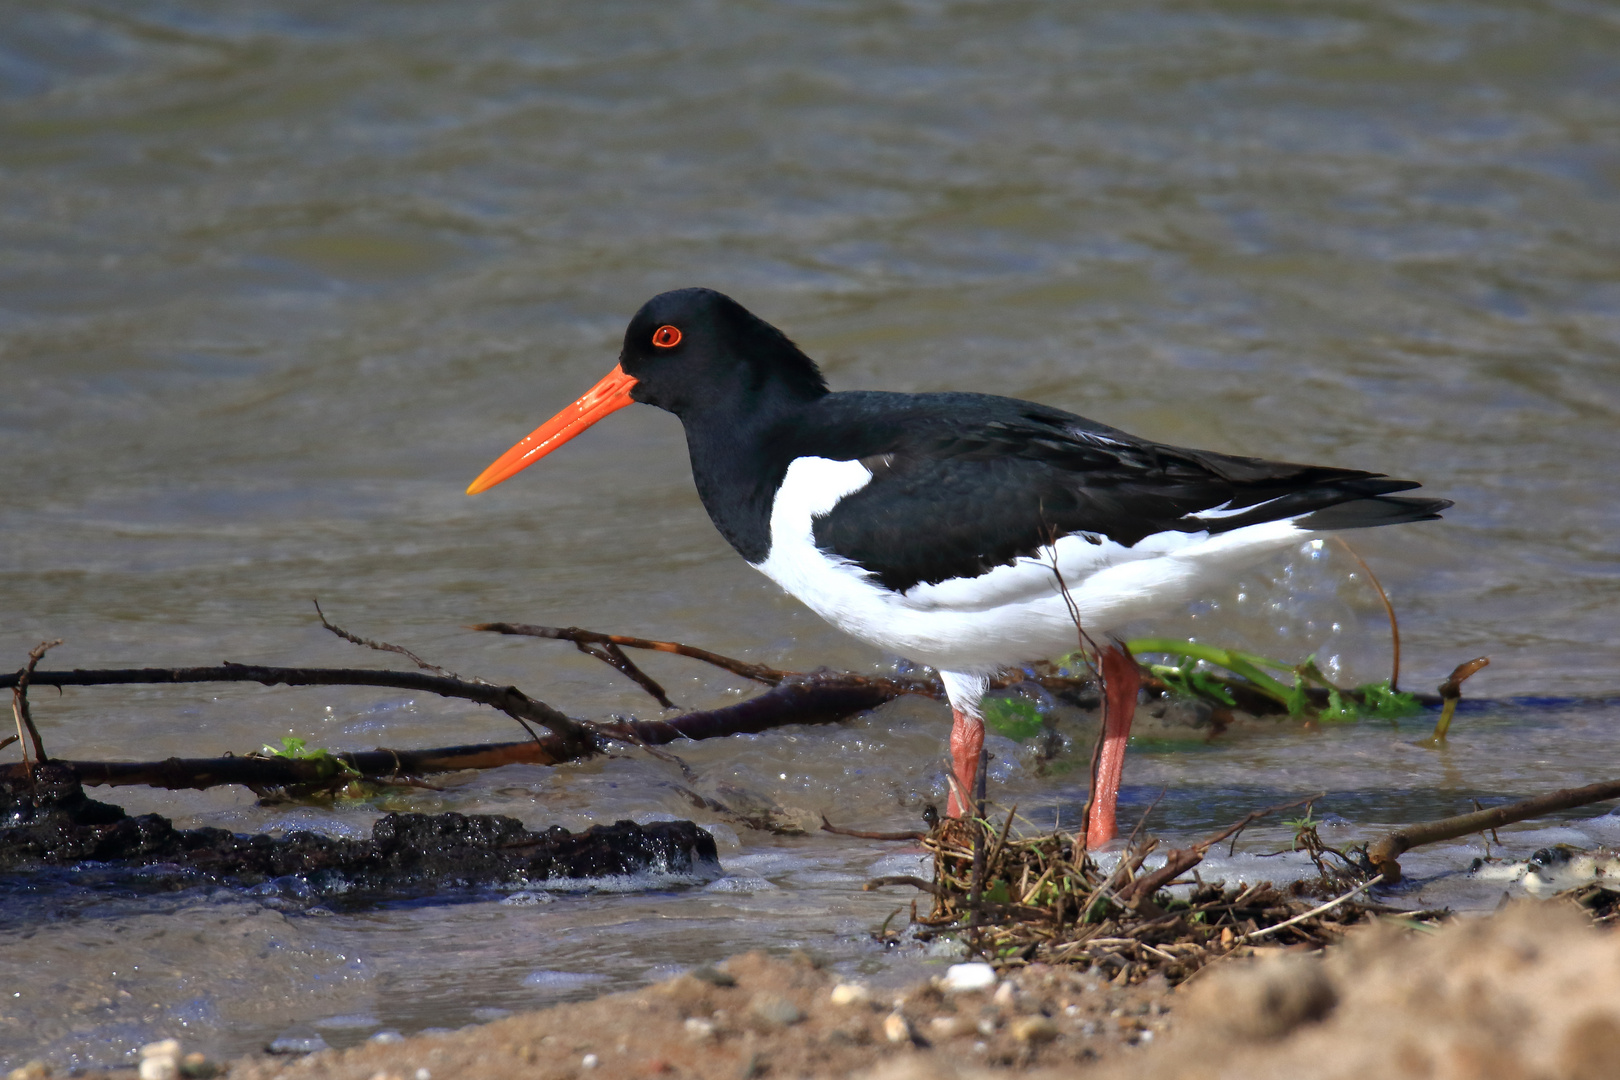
277,279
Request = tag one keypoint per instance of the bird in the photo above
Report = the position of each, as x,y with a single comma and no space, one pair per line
966,532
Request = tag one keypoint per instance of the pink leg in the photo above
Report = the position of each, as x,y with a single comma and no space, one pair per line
967,743
1121,681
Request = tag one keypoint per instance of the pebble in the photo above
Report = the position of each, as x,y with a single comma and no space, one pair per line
36,1069
850,994
1006,995
896,1028
590,1061
775,1010
963,978
946,1027
699,1028
1034,1029
160,1060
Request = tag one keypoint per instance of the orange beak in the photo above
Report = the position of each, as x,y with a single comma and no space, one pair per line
609,395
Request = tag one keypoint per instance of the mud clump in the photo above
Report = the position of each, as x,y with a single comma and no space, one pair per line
52,823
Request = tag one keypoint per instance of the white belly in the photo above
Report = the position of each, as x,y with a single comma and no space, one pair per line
1012,614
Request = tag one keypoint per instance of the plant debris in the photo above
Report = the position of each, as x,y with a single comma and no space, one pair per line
1045,899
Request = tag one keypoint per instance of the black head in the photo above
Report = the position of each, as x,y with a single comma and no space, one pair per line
693,350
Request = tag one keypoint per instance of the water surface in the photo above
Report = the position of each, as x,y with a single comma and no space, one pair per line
278,279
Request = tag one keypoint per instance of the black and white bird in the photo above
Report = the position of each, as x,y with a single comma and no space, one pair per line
930,525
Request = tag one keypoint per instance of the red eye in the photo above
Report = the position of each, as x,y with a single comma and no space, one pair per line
666,337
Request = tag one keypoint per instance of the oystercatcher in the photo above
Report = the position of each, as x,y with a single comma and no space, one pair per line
967,532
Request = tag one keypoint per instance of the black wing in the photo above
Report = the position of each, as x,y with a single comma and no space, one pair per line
964,483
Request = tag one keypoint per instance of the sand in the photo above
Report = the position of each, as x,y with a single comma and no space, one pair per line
1532,992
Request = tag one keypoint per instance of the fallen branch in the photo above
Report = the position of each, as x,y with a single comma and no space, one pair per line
806,700
1383,852
576,737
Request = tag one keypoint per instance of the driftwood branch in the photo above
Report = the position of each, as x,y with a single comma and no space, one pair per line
807,700
575,737
1384,851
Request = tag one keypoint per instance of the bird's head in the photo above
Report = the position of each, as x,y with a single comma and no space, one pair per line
689,351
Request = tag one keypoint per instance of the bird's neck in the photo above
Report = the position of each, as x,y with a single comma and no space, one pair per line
739,457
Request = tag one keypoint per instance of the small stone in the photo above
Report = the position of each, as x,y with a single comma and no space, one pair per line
850,994
773,1010
590,1061
698,1028
1034,1029
160,1060
963,978
947,1027
297,1044
383,1038
1006,995
36,1069
423,1074
896,1028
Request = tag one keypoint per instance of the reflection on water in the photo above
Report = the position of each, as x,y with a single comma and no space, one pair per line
276,280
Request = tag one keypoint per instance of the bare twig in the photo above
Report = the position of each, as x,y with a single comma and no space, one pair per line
1389,609
757,672
383,646
613,656
19,700
1179,860
1315,911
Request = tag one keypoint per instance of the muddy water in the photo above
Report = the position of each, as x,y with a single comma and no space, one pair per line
276,280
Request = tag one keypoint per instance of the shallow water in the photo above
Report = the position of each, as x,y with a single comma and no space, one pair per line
276,280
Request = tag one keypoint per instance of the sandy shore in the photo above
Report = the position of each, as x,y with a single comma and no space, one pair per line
1532,992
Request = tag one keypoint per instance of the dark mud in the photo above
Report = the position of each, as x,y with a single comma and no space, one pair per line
53,823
